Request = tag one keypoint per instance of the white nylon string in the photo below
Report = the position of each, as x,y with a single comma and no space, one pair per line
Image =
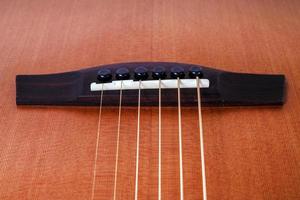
97,146
180,141
137,145
201,142
118,139
159,141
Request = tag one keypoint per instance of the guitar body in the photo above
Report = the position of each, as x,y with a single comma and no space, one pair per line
48,152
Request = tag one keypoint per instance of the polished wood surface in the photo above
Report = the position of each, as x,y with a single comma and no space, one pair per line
48,152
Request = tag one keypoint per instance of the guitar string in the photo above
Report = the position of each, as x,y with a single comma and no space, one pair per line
137,145
97,146
201,142
180,141
118,138
138,130
159,141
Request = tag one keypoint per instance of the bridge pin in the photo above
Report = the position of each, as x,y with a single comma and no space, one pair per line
122,74
195,72
104,75
159,72
177,72
141,73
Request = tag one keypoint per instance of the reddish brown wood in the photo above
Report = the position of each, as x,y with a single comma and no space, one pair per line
48,152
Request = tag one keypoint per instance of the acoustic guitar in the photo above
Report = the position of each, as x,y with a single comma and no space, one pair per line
184,100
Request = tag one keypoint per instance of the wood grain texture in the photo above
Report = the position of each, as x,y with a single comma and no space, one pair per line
48,152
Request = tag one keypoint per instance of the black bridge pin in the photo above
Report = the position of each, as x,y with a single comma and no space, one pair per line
195,72
177,72
141,73
122,73
159,72
104,75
